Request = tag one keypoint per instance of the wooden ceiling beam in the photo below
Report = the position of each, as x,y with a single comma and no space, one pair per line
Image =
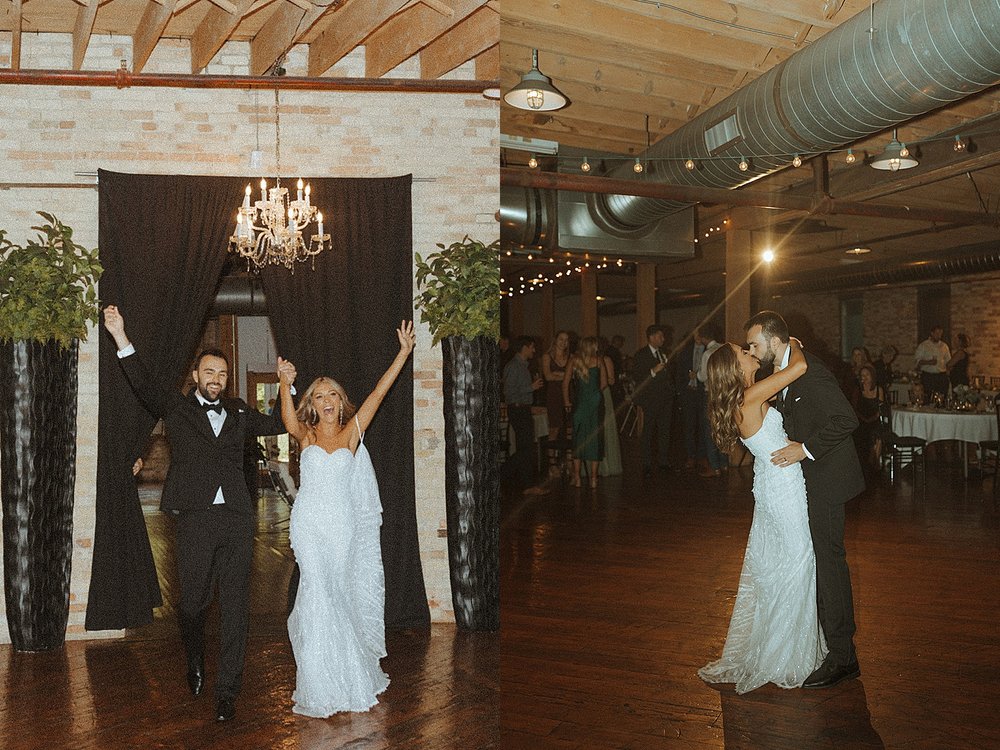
553,44
467,39
585,142
742,197
147,34
488,64
592,20
285,27
351,24
406,33
721,19
560,122
213,32
82,31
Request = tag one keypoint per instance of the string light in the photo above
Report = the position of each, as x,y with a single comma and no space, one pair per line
797,161
637,167
850,158
959,145
744,165
689,165
585,167
903,151
533,162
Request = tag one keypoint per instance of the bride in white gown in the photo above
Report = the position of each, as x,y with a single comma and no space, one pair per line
774,634
336,626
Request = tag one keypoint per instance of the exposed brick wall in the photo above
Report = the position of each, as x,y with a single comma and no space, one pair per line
975,311
449,142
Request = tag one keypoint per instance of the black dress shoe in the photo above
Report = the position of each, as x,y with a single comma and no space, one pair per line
196,675
226,709
829,674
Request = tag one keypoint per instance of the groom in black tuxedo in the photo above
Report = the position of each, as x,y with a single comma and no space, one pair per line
206,492
819,422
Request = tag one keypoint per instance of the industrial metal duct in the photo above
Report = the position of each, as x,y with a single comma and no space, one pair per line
876,70
906,58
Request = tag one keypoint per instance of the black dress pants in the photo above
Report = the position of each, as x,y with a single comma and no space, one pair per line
214,551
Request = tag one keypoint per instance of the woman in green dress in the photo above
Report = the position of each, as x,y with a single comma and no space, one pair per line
587,372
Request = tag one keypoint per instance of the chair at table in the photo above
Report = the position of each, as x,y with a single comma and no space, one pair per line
898,449
993,448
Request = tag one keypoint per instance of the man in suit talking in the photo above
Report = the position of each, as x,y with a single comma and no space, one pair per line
654,392
206,492
819,422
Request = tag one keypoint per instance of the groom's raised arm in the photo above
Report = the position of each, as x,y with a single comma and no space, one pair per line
157,401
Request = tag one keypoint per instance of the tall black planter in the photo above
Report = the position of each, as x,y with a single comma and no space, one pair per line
472,491
38,387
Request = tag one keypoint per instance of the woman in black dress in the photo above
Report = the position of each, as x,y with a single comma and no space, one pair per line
958,365
868,405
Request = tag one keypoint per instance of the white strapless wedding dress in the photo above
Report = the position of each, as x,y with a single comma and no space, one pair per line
337,626
774,635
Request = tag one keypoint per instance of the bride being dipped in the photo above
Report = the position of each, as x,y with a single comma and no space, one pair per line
336,627
774,634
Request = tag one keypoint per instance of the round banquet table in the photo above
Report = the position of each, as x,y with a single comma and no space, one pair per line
941,424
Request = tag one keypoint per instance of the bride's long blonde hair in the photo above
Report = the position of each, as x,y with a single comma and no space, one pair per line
725,396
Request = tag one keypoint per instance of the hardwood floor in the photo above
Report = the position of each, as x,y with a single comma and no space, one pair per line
611,601
131,693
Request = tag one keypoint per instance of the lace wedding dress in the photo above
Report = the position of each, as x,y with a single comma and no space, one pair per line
336,627
774,634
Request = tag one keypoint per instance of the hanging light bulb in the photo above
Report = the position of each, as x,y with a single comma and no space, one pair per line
851,158
533,162
535,91
959,145
637,167
797,161
585,167
744,165
689,165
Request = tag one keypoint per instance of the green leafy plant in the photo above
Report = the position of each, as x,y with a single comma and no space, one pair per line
460,290
47,287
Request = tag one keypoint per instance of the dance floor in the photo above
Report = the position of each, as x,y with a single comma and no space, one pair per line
612,599
131,693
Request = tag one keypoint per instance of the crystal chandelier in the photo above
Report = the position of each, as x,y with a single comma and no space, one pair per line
275,230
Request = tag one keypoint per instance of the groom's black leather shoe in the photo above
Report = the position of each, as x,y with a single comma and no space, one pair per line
829,674
196,675
226,709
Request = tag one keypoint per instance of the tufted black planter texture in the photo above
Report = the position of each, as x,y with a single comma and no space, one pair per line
38,388
472,491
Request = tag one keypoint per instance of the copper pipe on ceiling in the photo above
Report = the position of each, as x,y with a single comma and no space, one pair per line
123,79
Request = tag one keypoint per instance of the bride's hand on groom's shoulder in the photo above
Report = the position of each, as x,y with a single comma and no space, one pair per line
407,338
796,341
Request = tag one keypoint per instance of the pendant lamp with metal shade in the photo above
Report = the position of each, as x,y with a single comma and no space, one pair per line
895,156
535,92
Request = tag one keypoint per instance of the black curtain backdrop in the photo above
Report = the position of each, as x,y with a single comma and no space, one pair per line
163,245
340,320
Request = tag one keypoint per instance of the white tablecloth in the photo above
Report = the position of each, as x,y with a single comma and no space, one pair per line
937,424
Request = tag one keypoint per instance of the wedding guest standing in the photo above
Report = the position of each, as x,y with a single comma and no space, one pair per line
931,358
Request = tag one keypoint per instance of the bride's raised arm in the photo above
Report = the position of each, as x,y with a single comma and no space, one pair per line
286,376
407,339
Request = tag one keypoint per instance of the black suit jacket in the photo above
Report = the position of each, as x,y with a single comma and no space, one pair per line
200,462
649,390
817,413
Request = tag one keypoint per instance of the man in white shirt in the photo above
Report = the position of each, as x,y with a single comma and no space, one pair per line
932,359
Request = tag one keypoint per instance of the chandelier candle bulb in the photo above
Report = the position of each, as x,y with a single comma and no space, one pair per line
246,198
307,197
263,189
319,218
299,186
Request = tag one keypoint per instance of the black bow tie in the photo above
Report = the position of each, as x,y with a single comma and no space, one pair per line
216,407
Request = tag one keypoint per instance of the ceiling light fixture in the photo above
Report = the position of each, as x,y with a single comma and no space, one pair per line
895,157
535,92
